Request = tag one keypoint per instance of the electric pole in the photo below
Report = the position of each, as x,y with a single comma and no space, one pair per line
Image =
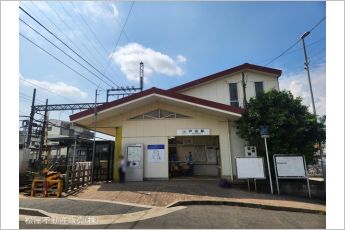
141,74
244,92
306,66
43,132
94,137
32,113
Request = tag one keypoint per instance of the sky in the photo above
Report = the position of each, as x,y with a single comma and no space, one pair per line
177,41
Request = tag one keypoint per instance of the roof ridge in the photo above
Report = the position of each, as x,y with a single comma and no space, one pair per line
225,72
161,92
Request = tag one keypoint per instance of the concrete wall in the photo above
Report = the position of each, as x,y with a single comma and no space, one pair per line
24,158
158,131
218,90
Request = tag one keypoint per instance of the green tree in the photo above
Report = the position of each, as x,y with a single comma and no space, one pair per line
293,130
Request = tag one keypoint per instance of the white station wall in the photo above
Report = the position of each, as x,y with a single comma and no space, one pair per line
158,131
218,90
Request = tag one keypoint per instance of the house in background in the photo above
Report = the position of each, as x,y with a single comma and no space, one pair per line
157,130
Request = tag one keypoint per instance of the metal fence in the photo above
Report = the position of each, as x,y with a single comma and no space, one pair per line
77,176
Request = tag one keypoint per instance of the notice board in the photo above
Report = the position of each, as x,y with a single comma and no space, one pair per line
250,168
290,166
155,153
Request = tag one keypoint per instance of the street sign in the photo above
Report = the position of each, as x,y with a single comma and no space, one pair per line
264,132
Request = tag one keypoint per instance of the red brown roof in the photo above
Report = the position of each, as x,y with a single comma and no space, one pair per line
226,72
162,92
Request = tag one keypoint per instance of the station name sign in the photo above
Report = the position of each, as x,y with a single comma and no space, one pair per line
193,132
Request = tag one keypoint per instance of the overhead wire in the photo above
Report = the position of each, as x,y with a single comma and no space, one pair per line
92,47
294,44
118,22
90,29
39,23
30,97
65,35
51,92
63,51
53,56
95,36
119,38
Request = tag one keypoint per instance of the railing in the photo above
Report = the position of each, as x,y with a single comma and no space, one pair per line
77,176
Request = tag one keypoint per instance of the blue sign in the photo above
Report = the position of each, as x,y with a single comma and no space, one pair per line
264,131
155,146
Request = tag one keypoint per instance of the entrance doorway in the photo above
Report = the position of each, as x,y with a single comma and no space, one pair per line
194,156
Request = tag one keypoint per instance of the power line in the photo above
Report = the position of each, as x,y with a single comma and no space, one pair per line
317,24
58,60
30,97
118,22
311,44
294,44
63,51
66,36
284,52
89,27
118,39
86,36
94,34
64,43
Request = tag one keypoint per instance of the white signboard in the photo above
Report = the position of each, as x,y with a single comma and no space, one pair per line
250,168
193,132
134,153
290,166
155,153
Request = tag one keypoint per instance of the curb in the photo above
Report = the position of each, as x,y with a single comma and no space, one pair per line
247,205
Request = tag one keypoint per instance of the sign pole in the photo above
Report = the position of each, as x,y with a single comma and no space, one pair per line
306,173
275,170
268,164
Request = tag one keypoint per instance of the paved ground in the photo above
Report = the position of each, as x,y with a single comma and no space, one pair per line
149,204
77,207
215,217
162,193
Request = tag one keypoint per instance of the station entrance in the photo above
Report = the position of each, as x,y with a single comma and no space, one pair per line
194,156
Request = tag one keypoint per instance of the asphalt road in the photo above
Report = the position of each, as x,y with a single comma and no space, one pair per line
217,216
77,207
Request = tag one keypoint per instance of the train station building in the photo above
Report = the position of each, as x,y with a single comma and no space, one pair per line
159,131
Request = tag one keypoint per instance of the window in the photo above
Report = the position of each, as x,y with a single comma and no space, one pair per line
158,114
233,94
259,87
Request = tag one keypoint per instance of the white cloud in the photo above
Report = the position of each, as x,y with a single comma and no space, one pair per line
298,84
129,56
97,10
181,59
59,88
115,11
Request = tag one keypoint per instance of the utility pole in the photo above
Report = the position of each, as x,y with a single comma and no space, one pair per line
32,113
43,130
244,85
306,66
94,137
141,74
